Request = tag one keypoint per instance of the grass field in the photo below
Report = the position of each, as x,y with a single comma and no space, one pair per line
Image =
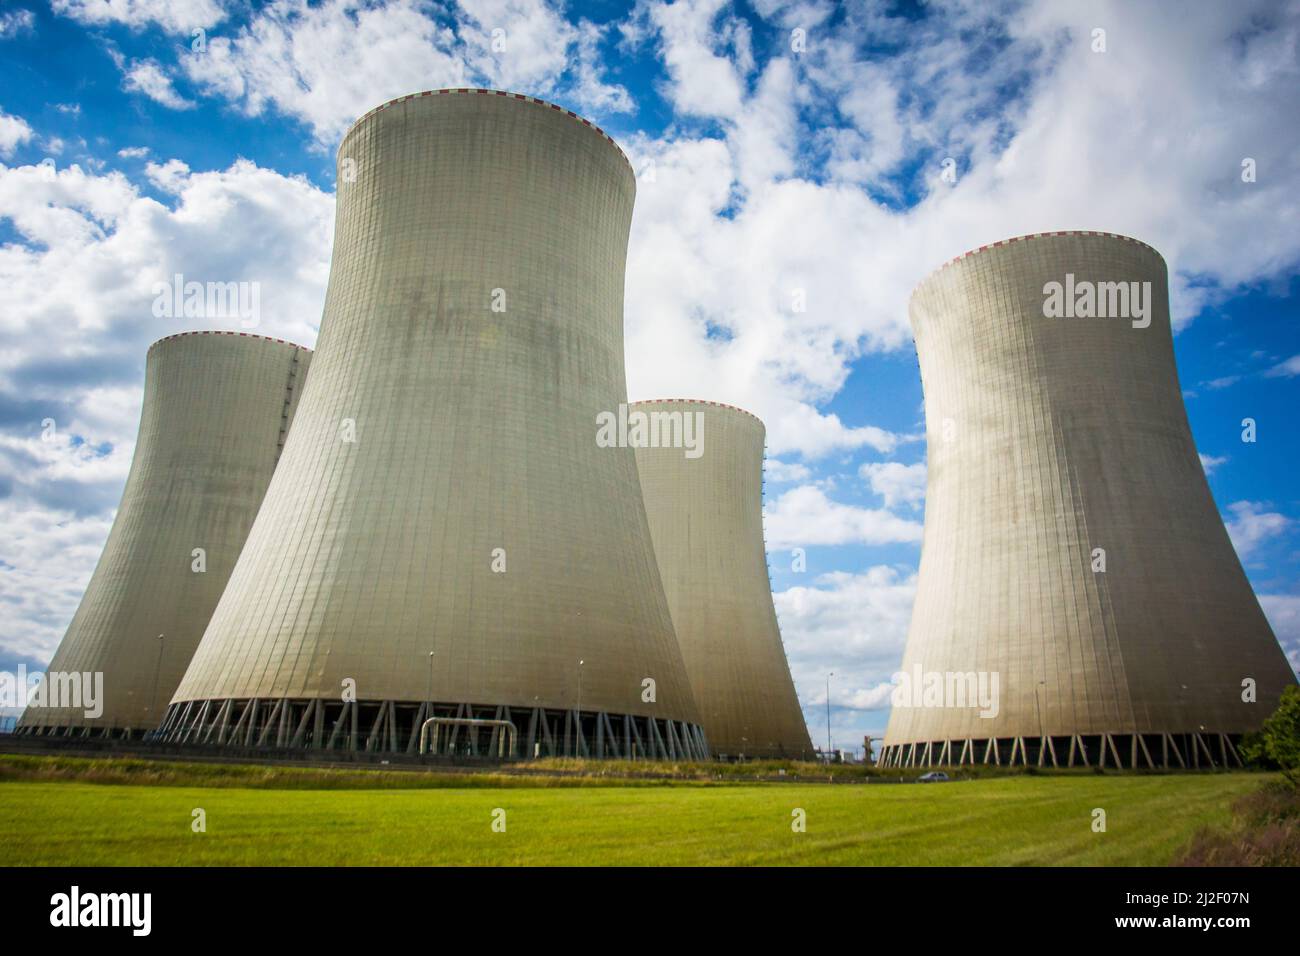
1015,820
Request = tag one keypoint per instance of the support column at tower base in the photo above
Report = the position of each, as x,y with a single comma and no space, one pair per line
386,726
1187,750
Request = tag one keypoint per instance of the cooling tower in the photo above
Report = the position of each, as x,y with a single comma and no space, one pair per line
1078,599
217,407
445,540
705,507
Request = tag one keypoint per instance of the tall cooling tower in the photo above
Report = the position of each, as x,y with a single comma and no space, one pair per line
444,539
1072,549
706,520
217,408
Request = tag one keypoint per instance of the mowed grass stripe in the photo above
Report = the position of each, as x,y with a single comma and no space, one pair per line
1018,820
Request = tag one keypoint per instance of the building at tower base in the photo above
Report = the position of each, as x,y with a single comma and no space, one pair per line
1078,601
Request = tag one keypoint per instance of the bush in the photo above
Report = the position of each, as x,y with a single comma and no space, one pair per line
1265,831
1277,744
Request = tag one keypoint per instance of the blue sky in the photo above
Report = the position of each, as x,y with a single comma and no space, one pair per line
781,148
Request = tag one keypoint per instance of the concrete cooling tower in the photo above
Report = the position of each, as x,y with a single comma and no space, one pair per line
445,540
217,408
1078,599
706,520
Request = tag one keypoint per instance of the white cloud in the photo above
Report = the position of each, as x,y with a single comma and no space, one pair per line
41,591
761,306
174,16
327,64
1288,368
1283,612
1139,176
170,176
149,78
896,483
79,288
1211,462
854,625
521,44
860,618
733,225
800,426
91,248
804,517
133,152
704,59
591,92
1250,525
94,246
876,139
804,14
14,22
30,464
14,131
779,472
1220,383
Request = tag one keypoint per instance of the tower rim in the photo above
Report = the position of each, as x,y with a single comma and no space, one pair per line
483,91
697,401
1060,233
246,335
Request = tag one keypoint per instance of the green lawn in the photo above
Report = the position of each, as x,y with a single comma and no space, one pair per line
1027,820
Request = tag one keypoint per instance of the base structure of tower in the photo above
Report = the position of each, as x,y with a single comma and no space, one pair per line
439,728
81,732
1192,750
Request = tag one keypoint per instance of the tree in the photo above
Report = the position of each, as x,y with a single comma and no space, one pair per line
1278,742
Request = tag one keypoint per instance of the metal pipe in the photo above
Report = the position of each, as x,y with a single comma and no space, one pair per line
438,722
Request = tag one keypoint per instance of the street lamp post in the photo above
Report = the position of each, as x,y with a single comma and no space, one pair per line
828,716
1042,737
429,696
537,744
1038,708
157,668
577,722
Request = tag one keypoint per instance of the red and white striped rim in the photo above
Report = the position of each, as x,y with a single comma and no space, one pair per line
1038,235
486,92
246,335
696,401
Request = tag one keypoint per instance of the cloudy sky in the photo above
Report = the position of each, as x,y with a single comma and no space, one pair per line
781,149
